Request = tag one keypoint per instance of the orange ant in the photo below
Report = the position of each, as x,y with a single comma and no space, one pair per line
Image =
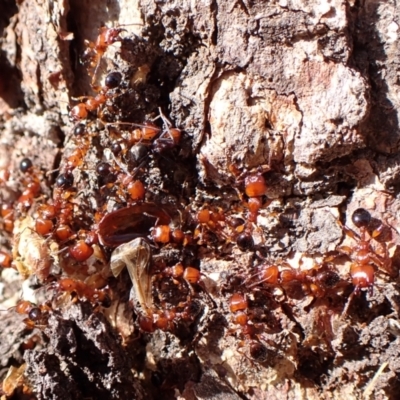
186,310
96,50
81,110
165,234
239,306
83,291
37,315
364,258
212,220
60,209
122,183
160,139
255,188
169,138
313,281
32,183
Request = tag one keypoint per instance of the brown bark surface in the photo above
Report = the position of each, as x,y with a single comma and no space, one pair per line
305,94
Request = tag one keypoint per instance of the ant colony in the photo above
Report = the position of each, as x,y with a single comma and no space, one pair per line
128,221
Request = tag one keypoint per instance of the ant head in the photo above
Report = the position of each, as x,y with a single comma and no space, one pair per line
111,35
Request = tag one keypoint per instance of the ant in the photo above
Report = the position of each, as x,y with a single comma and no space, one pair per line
32,183
160,140
165,234
36,315
83,291
212,220
313,281
169,138
229,227
239,307
255,189
183,307
81,110
122,183
364,258
96,50
60,209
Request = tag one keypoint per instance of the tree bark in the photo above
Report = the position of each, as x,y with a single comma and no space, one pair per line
305,94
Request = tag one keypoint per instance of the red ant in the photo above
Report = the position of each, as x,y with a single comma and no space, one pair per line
126,182
37,315
83,291
160,139
255,188
165,234
187,310
169,138
81,110
54,220
239,306
60,209
96,50
209,219
230,228
364,258
312,281
31,182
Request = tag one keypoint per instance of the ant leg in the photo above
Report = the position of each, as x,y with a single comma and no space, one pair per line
349,232
346,307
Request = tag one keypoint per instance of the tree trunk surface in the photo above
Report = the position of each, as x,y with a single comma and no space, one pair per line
296,299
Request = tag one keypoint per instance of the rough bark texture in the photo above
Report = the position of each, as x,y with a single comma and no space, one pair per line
305,93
